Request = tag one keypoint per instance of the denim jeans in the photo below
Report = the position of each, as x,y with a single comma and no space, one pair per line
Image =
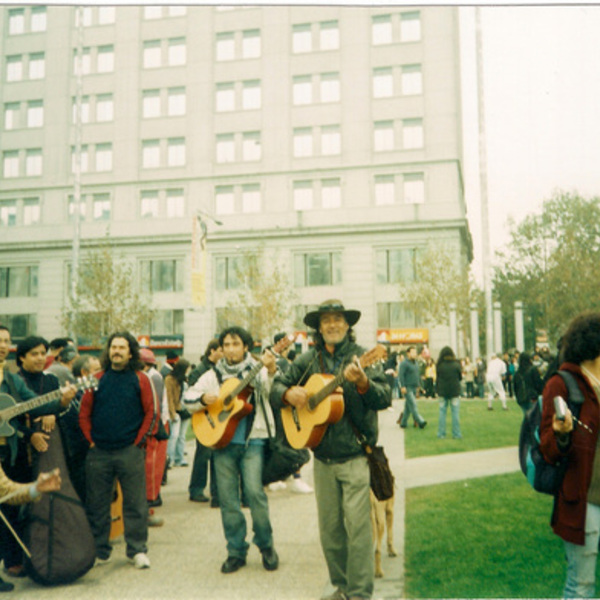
176,445
410,408
231,463
581,560
455,408
203,462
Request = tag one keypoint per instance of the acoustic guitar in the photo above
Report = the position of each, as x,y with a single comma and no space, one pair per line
215,426
9,408
306,427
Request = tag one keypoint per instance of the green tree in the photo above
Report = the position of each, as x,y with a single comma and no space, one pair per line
107,297
550,264
265,298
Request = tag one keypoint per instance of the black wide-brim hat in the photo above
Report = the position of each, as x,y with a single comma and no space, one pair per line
313,318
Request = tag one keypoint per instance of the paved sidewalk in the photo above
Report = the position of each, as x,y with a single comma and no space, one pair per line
187,552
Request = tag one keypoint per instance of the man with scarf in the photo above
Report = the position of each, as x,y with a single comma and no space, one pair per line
342,481
242,459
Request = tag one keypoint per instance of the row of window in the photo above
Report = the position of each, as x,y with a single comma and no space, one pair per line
25,66
27,20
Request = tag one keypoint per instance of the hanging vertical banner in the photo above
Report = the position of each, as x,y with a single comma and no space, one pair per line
198,261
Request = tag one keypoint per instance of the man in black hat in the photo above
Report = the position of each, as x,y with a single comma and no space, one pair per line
341,472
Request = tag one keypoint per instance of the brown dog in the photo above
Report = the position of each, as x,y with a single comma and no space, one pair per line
382,516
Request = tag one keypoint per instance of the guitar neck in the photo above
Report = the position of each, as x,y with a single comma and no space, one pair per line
317,398
23,407
244,382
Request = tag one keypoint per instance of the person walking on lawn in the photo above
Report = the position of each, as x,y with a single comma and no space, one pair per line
410,382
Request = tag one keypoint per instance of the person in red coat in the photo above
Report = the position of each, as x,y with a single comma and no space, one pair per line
576,513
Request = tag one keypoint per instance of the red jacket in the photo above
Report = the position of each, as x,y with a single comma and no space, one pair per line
568,516
150,404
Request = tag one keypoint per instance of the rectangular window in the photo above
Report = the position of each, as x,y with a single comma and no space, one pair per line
228,271
302,90
73,210
162,275
176,152
16,21
14,68
101,207
8,214
106,15
331,140
301,38
82,63
150,154
330,87
17,282
251,146
33,162
37,65
85,109
412,80
31,211
175,204
150,104
414,188
35,113
11,115
383,82
10,164
324,268
329,35
149,204
251,47
104,108
106,59
251,95
152,12
20,326
412,133
225,46
177,52
38,18
225,148
224,200
251,198
176,102
84,160
167,322
385,189
152,54
381,30
396,266
104,157
303,195
331,193
87,16
383,136
303,142
410,26
225,97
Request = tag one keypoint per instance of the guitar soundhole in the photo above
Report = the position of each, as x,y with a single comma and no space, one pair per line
224,415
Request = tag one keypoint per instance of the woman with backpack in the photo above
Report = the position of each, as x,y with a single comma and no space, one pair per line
574,437
175,384
449,375
528,382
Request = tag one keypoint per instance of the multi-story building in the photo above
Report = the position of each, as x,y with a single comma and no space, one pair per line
331,135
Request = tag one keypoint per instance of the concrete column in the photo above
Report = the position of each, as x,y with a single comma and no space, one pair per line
453,332
498,328
519,330
474,333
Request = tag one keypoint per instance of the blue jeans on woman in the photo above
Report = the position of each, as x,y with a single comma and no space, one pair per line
581,560
231,462
455,408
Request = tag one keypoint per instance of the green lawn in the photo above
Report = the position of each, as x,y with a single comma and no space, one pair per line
481,429
482,538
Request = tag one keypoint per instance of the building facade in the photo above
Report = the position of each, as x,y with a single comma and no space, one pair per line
330,136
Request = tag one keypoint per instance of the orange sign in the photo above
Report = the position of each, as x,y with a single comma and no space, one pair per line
403,336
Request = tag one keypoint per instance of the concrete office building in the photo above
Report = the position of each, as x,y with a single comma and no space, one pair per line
331,135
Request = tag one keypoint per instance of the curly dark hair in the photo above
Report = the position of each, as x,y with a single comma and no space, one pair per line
581,342
237,332
135,363
446,353
179,370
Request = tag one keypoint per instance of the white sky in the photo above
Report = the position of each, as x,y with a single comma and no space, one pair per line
542,105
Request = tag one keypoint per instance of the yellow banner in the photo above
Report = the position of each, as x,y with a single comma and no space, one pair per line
403,336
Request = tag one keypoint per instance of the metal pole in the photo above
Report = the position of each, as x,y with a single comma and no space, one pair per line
483,181
77,168
519,335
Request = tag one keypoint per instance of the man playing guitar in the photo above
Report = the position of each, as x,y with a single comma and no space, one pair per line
239,422
341,473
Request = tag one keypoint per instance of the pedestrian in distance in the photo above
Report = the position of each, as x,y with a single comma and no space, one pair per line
449,375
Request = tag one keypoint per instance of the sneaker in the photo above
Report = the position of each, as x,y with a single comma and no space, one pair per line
140,561
301,487
277,485
198,498
337,595
154,521
101,561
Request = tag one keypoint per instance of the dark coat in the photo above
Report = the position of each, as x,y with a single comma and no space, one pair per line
449,374
568,516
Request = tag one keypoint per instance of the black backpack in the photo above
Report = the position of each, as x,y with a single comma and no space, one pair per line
543,476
